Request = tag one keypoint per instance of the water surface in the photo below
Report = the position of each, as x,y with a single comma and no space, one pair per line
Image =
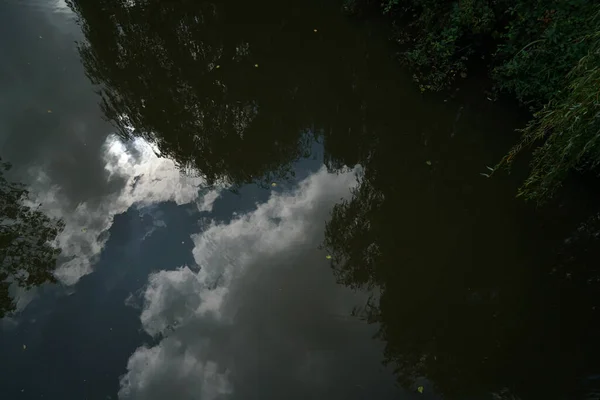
260,204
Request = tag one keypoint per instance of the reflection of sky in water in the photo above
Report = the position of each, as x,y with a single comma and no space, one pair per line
49,6
263,306
261,318
61,6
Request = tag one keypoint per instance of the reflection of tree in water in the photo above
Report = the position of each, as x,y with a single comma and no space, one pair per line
229,89
26,256
465,301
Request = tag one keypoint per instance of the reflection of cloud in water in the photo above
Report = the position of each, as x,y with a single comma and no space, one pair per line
188,307
22,296
52,6
156,216
147,179
61,6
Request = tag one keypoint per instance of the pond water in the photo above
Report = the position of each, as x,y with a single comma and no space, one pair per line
260,204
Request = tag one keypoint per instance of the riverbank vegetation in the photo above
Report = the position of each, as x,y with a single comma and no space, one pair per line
545,53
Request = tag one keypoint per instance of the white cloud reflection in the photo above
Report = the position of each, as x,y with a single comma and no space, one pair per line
60,6
172,371
181,305
146,178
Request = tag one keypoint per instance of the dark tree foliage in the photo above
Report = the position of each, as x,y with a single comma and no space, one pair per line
461,303
231,91
26,255
543,52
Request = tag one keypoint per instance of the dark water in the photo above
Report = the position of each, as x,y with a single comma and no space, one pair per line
259,204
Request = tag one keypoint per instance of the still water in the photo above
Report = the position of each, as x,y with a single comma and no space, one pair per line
259,204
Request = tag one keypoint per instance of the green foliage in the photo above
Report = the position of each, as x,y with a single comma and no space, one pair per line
27,257
442,37
569,125
543,41
544,52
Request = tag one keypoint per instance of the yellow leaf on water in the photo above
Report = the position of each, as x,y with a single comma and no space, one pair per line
24,347
256,65
49,111
315,30
428,162
420,389
273,184
328,257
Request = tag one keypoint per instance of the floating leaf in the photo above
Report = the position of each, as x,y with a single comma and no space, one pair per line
49,111
420,389
315,30
24,347
328,257
428,162
218,66
273,184
256,65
